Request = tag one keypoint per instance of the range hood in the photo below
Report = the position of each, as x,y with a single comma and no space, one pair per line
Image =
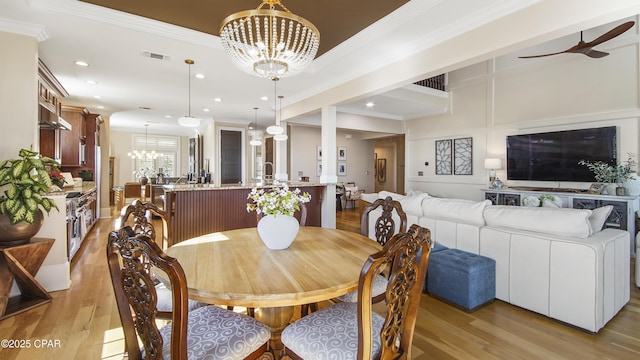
49,120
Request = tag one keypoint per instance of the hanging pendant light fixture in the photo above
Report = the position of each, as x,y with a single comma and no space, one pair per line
268,42
280,137
145,154
189,121
256,137
275,129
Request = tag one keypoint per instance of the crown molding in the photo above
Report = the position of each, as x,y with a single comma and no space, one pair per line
129,21
24,28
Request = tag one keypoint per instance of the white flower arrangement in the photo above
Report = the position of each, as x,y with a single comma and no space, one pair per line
531,201
278,201
539,201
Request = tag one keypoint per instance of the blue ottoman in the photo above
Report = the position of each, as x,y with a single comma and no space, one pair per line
437,247
464,279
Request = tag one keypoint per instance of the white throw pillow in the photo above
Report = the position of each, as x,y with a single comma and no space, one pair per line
561,221
466,211
413,204
599,216
550,204
395,196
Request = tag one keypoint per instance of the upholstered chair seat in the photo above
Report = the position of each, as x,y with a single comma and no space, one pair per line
330,333
216,333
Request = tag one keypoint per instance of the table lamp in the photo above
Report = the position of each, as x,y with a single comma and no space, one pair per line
492,164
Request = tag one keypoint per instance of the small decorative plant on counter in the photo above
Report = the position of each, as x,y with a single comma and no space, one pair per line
277,228
279,200
25,182
609,174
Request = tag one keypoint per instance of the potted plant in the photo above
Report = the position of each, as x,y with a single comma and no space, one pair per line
277,228
611,175
24,181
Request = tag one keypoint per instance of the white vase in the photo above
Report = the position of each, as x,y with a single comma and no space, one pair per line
278,231
611,189
633,185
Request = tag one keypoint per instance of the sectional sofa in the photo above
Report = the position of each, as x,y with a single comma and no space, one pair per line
554,261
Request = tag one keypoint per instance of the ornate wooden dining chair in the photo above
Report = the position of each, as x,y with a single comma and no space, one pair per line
139,215
206,332
383,229
353,330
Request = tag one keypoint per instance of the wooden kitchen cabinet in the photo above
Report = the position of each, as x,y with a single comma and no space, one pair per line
74,140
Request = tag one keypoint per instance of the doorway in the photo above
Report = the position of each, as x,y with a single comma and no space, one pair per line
231,156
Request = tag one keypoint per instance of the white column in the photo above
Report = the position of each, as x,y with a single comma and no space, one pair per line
329,166
280,157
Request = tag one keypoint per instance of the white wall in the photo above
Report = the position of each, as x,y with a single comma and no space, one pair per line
305,139
508,96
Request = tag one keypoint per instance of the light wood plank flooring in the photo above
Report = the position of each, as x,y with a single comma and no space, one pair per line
84,320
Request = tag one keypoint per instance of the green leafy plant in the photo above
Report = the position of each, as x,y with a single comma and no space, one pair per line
278,201
25,182
609,174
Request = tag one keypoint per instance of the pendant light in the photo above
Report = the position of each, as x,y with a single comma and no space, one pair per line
275,129
256,138
189,121
280,137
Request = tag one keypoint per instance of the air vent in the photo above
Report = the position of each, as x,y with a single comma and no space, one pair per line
156,56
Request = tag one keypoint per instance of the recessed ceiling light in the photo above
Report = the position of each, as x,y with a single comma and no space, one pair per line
91,82
97,97
264,98
168,116
100,107
206,109
370,104
200,76
81,63
217,99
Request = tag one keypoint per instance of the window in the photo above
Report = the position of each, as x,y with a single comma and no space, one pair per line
168,146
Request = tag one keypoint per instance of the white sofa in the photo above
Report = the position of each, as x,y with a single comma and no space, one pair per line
548,260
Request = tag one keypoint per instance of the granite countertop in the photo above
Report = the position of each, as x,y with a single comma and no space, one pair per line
87,186
192,187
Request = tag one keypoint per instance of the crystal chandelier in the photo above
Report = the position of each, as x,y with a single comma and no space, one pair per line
189,121
256,138
145,154
268,42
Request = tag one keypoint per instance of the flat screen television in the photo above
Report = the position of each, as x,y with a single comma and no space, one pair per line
554,156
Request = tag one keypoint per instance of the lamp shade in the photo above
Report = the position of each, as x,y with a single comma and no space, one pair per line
492,163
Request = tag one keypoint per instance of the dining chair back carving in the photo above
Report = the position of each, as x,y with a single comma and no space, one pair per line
211,330
385,226
141,215
354,330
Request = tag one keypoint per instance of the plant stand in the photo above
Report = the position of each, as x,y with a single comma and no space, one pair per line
22,263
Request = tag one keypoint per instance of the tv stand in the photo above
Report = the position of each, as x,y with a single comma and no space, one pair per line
623,215
554,190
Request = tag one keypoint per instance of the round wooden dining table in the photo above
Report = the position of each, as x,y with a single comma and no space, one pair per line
235,268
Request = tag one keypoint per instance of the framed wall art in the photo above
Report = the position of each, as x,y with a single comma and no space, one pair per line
319,168
318,152
463,156
342,168
342,153
382,170
443,157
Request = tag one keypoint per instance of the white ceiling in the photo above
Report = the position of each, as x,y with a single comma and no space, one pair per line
378,64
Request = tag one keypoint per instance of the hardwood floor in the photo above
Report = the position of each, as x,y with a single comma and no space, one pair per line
85,322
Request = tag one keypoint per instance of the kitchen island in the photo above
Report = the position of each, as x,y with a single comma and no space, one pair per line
197,209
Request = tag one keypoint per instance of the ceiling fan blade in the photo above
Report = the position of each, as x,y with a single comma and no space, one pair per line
595,53
618,30
537,56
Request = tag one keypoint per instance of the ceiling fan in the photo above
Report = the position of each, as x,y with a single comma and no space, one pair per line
586,48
